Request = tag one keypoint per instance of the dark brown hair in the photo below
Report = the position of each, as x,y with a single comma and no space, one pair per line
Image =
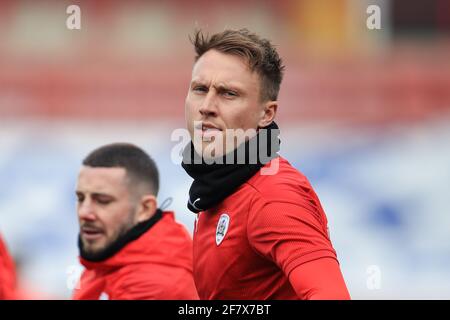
259,53
139,166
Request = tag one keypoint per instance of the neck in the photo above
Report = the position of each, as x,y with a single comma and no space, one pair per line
114,247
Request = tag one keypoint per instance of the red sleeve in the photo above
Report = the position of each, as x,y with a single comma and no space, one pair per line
294,236
319,279
7,274
288,234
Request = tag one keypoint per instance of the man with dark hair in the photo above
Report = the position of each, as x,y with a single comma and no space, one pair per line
260,232
129,247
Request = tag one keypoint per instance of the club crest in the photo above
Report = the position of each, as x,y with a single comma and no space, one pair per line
222,228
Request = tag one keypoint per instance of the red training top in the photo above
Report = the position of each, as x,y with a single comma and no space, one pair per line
157,265
8,277
268,240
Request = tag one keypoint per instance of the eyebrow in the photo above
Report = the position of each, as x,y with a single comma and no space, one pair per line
219,87
96,195
197,83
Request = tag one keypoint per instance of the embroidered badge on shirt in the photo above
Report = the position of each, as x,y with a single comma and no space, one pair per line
222,228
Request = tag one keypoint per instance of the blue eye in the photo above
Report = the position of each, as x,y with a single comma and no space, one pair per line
230,94
200,89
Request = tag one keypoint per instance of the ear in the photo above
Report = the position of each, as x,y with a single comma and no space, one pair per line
268,113
147,207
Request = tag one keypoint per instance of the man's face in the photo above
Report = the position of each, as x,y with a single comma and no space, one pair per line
105,210
224,94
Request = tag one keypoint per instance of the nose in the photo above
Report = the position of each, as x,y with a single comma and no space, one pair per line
208,107
86,211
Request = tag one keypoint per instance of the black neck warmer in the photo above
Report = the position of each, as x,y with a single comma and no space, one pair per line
131,235
214,182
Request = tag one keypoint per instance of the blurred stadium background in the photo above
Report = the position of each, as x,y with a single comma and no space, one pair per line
365,114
